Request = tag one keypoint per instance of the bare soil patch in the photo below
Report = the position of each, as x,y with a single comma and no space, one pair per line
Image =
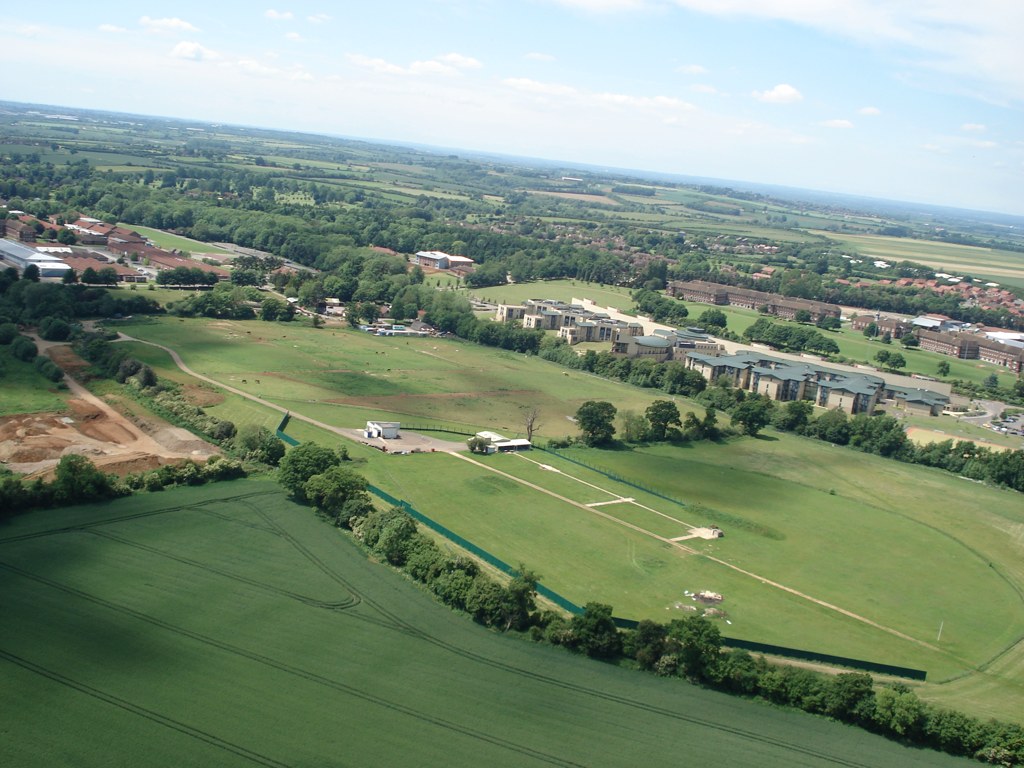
33,444
201,396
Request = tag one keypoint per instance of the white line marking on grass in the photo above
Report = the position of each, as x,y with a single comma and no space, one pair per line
621,500
691,551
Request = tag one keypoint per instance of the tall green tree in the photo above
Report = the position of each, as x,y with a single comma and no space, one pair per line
662,415
303,462
752,415
596,419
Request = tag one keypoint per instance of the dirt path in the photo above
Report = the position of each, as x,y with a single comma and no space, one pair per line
691,551
32,444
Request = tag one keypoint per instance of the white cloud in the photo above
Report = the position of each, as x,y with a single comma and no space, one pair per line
447,64
375,65
295,37
973,128
167,25
838,123
536,56
279,15
703,88
869,111
28,30
978,40
668,107
604,6
193,51
460,61
318,18
253,67
112,28
534,86
783,93
692,69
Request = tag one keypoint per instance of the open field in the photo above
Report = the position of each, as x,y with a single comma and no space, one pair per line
174,627
948,257
929,532
618,551
24,390
171,241
344,377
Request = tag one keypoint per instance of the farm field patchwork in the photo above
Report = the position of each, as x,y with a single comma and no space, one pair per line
174,627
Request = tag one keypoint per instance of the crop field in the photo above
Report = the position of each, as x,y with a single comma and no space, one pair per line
948,257
225,626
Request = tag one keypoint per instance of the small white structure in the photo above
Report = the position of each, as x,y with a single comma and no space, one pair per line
388,430
496,442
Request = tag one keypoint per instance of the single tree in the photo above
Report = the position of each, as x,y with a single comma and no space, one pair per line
661,416
530,416
870,330
802,316
942,368
596,419
712,318
752,415
594,633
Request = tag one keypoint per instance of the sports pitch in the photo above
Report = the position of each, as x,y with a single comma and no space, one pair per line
226,626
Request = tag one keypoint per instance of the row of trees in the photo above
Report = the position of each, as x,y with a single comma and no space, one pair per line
792,338
749,413
316,475
661,421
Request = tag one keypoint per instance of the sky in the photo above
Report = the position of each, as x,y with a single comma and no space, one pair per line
915,100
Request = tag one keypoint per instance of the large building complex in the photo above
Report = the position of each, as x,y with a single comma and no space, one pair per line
787,380
572,322
769,303
21,256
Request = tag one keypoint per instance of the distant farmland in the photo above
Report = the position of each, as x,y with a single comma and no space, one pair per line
225,626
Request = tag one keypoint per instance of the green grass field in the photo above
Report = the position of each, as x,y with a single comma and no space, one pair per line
345,377
784,537
24,390
225,626
948,257
171,241
916,547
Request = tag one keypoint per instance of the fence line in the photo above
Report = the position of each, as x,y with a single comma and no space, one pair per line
469,546
613,476
280,430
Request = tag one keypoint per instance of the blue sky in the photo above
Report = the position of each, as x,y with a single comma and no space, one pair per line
919,100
